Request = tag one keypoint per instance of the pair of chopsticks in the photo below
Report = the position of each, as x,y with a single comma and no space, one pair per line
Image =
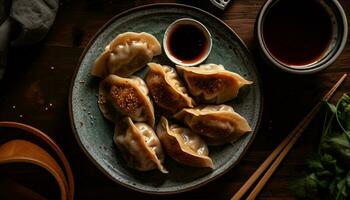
275,158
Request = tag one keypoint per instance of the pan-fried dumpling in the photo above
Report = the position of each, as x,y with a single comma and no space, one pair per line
183,145
167,90
127,96
217,124
211,83
126,54
139,145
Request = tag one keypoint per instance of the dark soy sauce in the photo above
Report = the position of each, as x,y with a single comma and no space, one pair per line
187,43
297,32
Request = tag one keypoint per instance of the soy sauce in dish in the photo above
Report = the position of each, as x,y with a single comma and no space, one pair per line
297,32
187,43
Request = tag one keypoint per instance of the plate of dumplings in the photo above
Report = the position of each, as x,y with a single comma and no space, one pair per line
157,127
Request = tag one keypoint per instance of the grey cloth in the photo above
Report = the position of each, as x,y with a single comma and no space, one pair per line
4,41
34,17
5,6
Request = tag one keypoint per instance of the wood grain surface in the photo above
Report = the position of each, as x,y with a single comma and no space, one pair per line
36,85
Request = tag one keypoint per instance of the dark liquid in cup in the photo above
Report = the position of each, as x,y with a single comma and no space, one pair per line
30,176
297,32
187,43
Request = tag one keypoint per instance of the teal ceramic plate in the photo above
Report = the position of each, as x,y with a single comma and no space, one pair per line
94,133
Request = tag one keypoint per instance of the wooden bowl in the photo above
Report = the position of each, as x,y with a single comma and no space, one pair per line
32,146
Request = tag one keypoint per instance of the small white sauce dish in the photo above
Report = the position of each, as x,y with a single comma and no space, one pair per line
187,42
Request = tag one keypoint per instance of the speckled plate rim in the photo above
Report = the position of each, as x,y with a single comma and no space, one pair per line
92,40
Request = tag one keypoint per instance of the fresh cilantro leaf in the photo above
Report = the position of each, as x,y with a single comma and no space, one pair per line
328,173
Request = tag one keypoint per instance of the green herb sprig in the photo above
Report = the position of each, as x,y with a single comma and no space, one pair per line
328,172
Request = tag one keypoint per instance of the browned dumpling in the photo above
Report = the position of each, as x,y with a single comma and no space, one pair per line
126,96
211,83
183,145
126,54
139,145
166,89
217,124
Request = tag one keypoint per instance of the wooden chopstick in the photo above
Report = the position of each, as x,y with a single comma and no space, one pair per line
282,149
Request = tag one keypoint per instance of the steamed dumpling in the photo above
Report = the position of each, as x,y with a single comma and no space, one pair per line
217,124
139,146
211,83
126,54
183,145
126,96
167,90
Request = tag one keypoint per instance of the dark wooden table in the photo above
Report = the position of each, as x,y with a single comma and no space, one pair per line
40,75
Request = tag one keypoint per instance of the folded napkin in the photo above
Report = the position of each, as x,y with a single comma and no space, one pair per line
32,18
